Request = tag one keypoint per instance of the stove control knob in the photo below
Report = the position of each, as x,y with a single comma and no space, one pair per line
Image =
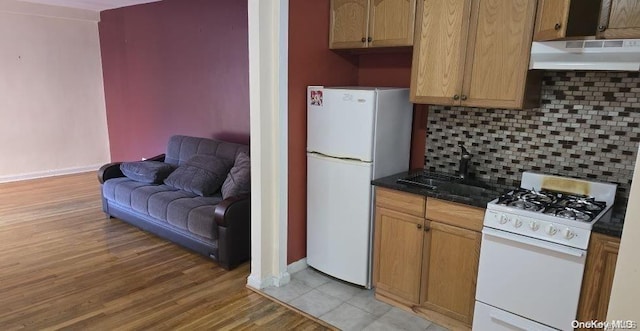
551,230
534,226
504,219
568,234
517,223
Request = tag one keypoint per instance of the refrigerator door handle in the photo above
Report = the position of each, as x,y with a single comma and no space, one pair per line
329,157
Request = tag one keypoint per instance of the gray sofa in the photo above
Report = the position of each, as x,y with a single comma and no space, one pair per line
210,225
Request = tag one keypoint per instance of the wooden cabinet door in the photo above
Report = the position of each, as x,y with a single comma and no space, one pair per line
348,26
498,53
391,22
551,20
598,277
439,51
398,255
450,281
619,19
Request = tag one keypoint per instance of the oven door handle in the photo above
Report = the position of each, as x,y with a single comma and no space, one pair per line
533,242
504,318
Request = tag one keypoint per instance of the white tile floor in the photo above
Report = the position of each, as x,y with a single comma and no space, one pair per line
345,306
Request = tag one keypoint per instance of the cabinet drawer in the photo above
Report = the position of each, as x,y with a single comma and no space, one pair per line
454,214
407,203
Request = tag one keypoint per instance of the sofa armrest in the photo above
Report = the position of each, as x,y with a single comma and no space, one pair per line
112,170
159,157
230,209
233,217
108,171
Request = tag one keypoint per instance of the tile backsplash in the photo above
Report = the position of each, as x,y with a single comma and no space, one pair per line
588,126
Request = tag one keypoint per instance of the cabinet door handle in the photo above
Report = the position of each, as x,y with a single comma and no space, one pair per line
426,228
363,39
601,28
419,226
557,26
456,97
369,39
463,97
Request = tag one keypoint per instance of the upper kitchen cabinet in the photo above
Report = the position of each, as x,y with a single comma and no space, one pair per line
619,19
557,19
371,23
474,53
610,19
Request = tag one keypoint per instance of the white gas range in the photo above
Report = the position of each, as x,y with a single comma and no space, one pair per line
533,252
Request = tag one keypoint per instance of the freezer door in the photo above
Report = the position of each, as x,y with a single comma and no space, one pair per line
340,122
339,218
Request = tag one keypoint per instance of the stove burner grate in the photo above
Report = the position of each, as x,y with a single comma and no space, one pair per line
574,207
526,205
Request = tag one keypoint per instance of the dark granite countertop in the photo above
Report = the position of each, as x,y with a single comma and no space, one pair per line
609,226
476,200
613,226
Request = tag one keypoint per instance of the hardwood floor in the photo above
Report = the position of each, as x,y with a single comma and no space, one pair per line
63,264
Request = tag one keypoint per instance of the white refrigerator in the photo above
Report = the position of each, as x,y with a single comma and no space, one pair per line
354,135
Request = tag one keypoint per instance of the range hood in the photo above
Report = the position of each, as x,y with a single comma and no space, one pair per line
602,54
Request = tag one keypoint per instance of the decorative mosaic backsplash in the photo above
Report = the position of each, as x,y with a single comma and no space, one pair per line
588,126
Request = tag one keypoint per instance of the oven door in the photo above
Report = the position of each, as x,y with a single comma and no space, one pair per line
531,278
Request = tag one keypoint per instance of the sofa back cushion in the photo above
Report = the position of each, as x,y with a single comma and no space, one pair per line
147,171
201,174
238,180
181,148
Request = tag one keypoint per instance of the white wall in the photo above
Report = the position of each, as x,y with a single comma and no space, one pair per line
625,294
52,108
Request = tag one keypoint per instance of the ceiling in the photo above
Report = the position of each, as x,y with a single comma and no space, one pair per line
96,5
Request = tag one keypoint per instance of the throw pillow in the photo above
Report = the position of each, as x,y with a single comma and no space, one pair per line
147,171
238,180
201,174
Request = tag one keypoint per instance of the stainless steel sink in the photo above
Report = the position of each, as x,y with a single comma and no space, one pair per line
466,190
448,183
430,180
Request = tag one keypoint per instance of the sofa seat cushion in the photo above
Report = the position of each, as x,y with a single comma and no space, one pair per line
142,203
195,215
182,209
119,190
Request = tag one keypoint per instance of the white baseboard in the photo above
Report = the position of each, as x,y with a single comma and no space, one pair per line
297,266
48,173
277,281
257,283
280,280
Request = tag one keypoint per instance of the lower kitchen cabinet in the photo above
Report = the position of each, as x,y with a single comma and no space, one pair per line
427,264
598,277
398,254
450,271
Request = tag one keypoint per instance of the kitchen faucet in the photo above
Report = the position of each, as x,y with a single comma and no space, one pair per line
465,157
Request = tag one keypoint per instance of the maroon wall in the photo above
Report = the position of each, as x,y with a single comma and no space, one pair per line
385,69
394,69
174,67
310,63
